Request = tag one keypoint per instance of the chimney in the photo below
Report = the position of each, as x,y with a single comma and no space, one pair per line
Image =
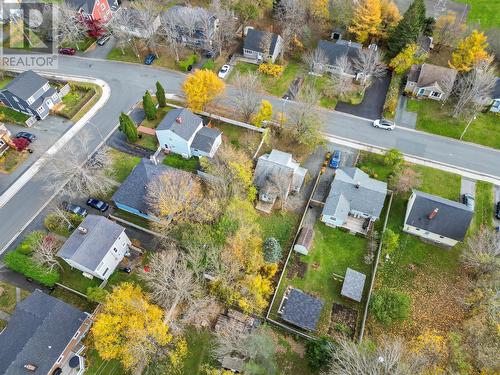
179,119
358,184
30,367
82,230
433,214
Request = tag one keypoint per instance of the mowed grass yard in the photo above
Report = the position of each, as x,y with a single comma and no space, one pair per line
430,274
484,12
436,119
8,297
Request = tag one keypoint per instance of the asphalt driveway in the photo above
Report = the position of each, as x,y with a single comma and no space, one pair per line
373,103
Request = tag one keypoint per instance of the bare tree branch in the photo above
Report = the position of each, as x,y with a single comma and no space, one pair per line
44,252
246,96
370,65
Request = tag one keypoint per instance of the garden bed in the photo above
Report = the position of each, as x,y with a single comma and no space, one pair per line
75,100
12,159
343,321
241,138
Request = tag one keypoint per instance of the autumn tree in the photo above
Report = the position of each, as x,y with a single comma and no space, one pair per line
160,95
149,106
247,10
393,158
129,328
289,14
448,30
366,20
265,113
246,94
319,10
406,58
404,180
45,250
128,127
228,24
408,29
201,88
390,15
481,253
470,52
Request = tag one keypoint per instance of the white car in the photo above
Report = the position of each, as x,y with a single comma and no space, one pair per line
384,124
224,71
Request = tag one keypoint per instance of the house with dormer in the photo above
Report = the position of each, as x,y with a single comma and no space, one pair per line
430,81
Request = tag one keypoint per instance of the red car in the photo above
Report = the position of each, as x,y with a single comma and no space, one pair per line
67,51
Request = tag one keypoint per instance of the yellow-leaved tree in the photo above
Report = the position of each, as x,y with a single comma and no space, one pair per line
470,52
390,14
265,113
201,88
129,328
318,9
366,20
406,58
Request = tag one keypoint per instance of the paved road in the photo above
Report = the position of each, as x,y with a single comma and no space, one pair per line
128,83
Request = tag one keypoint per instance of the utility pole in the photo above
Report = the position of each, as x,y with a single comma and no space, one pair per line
467,127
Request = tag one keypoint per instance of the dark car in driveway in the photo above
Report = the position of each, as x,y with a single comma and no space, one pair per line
28,136
335,160
103,39
74,208
97,204
149,59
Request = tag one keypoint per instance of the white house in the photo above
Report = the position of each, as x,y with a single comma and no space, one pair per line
354,197
96,247
262,46
437,219
495,96
182,132
430,81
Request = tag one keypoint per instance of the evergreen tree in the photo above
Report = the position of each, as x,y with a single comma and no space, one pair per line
272,250
160,95
127,126
408,29
149,106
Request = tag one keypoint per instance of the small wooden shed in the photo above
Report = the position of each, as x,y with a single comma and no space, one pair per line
305,240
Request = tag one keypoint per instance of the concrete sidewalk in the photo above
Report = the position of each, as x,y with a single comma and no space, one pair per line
403,117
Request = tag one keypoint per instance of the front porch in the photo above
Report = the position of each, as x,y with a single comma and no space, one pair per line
358,225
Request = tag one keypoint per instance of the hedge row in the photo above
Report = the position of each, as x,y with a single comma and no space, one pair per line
391,100
22,263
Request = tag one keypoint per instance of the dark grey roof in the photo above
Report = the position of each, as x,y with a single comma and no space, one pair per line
132,192
25,84
430,74
496,90
345,196
353,285
425,42
39,330
184,129
255,38
205,138
302,310
89,249
452,221
333,51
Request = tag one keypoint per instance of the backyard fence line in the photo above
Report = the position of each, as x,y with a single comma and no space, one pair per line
374,273
116,218
72,290
289,329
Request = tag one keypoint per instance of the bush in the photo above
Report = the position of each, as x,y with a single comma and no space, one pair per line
127,127
56,224
390,241
96,294
22,263
26,246
389,306
393,158
190,60
391,100
272,250
319,353
160,95
209,64
270,69
149,106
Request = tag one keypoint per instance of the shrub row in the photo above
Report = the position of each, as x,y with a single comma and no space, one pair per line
274,70
391,100
23,264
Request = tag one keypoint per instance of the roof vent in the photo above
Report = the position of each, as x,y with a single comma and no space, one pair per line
82,230
358,184
433,214
30,367
179,119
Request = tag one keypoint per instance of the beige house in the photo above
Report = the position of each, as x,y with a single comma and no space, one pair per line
437,219
430,81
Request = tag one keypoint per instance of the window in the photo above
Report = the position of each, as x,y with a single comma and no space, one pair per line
76,334
15,99
421,92
103,6
40,109
1,143
30,100
426,233
435,94
441,236
115,249
105,271
46,87
59,359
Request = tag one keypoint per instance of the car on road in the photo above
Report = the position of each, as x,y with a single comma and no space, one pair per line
97,204
497,211
224,71
74,208
149,59
335,159
468,200
67,51
103,39
28,136
384,124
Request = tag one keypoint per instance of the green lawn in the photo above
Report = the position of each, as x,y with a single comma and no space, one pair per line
177,161
160,114
148,141
5,81
81,45
11,159
280,225
75,100
129,56
3,324
9,115
290,362
74,299
134,219
8,297
484,205
199,345
97,366
434,118
319,83
122,164
484,12
240,138
74,279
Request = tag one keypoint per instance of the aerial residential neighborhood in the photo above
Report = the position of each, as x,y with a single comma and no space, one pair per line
257,187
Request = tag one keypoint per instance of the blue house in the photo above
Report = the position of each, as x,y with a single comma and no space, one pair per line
131,195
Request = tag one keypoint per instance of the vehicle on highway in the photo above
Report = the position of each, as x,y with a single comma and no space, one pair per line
74,208
97,204
335,159
103,39
224,71
468,200
497,211
384,124
67,51
28,136
149,59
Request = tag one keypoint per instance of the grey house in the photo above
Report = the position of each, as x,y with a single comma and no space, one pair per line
262,46
300,309
43,335
437,219
495,97
354,283
31,94
331,53
96,247
353,199
430,81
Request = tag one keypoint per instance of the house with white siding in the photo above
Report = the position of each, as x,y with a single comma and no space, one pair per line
437,219
262,46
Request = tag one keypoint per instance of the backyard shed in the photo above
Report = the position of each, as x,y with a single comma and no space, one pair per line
354,283
301,309
305,240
